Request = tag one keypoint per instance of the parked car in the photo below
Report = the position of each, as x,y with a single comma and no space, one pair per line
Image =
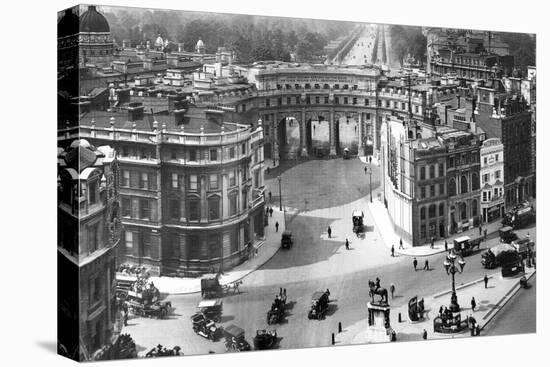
286,239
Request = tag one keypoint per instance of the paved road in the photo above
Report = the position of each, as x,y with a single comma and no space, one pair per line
518,316
362,52
314,263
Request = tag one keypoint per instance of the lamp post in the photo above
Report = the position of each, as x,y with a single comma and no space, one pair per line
280,195
369,171
451,268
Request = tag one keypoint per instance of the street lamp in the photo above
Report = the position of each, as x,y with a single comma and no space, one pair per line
280,195
452,269
369,171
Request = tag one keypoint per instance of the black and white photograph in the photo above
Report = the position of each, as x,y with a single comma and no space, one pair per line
236,182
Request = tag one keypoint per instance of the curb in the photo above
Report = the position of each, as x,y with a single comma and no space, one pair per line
462,286
506,299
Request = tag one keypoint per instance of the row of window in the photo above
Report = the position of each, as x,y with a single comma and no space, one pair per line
431,171
212,154
489,195
463,159
432,211
316,86
343,100
486,176
429,190
464,187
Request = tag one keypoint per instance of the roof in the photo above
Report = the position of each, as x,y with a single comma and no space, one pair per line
210,303
68,24
317,295
93,21
234,330
462,239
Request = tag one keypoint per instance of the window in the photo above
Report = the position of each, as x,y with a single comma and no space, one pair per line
213,182
232,204
422,213
432,211
243,149
497,174
175,209
403,107
317,100
144,209
463,184
194,210
432,191
387,104
213,154
485,178
126,207
192,155
95,291
474,157
193,183
366,102
452,187
345,100
308,100
92,192
496,157
174,154
175,181
92,238
441,189
214,208
279,101
368,116
128,239
432,171
232,180
484,195
462,208
422,173
146,243
288,100
441,170
354,100
326,100
267,102
485,160
336,100
441,210
451,161
144,181
232,152
423,192
474,208
475,181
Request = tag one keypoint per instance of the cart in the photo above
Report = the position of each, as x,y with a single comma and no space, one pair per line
319,305
265,339
507,234
205,327
234,339
277,311
210,286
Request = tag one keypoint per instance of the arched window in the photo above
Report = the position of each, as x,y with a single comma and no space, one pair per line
214,208
463,213
432,171
441,170
475,181
463,184
452,187
441,210
432,211
422,173
422,213
474,208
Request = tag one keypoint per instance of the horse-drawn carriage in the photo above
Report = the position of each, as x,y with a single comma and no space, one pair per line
212,309
212,288
161,351
416,309
147,304
265,339
465,246
319,305
234,339
277,311
205,327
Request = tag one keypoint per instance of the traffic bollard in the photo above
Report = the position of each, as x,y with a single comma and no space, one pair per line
424,334
333,340
399,317
339,327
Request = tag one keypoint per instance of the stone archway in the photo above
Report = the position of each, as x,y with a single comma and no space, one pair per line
290,134
318,132
347,132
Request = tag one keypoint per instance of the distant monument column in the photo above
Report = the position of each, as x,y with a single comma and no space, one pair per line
332,134
360,146
303,131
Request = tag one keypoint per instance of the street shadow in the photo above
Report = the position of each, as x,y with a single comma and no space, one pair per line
226,318
368,228
290,305
332,308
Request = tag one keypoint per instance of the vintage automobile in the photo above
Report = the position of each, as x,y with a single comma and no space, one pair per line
465,246
234,339
265,339
212,309
277,311
147,304
319,305
416,309
286,239
357,219
507,234
210,286
205,327
520,216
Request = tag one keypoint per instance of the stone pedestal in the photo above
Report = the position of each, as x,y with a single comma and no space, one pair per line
379,329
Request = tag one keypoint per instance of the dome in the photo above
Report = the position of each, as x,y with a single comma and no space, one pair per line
200,44
159,42
82,143
93,21
68,25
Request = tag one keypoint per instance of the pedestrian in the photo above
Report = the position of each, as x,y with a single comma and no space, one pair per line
415,263
329,231
266,210
473,304
392,251
426,265
125,318
432,243
276,226
440,311
271,212
256,252
480,229
365,170
446,246
401,244
392,289
347,244
485,234
270,197
486,280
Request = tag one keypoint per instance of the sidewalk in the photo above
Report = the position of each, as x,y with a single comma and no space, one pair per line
266,249
385,227
489,302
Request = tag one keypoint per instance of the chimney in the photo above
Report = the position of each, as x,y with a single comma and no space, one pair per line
135,111
446,111
458,99
180,108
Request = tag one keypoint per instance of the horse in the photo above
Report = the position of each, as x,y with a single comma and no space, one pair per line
382,292
234,287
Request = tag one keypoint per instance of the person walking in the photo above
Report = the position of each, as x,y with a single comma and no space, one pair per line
486,280
266,210
401,244
473,302
446,246
365,170
485,234
432,243
415,263
440,311
479,229
271,212
426,265
392,251
276,226
347,244
392,289
270,197
329,231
